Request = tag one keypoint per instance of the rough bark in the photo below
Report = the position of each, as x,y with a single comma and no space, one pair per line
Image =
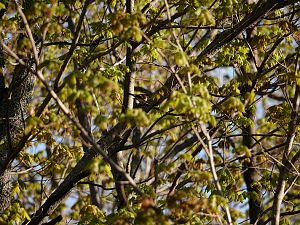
113,136
12,113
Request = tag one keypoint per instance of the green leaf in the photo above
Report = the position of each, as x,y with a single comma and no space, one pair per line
2,6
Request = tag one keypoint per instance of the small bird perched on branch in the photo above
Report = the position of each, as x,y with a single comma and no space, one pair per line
140,100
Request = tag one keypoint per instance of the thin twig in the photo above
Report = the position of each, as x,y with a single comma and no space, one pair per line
67,112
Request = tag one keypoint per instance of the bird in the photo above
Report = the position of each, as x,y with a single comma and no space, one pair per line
140,100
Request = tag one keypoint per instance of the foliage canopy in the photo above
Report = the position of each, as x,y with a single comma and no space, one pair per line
149,112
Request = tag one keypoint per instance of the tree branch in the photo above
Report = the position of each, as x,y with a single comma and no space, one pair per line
261,9
286,164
